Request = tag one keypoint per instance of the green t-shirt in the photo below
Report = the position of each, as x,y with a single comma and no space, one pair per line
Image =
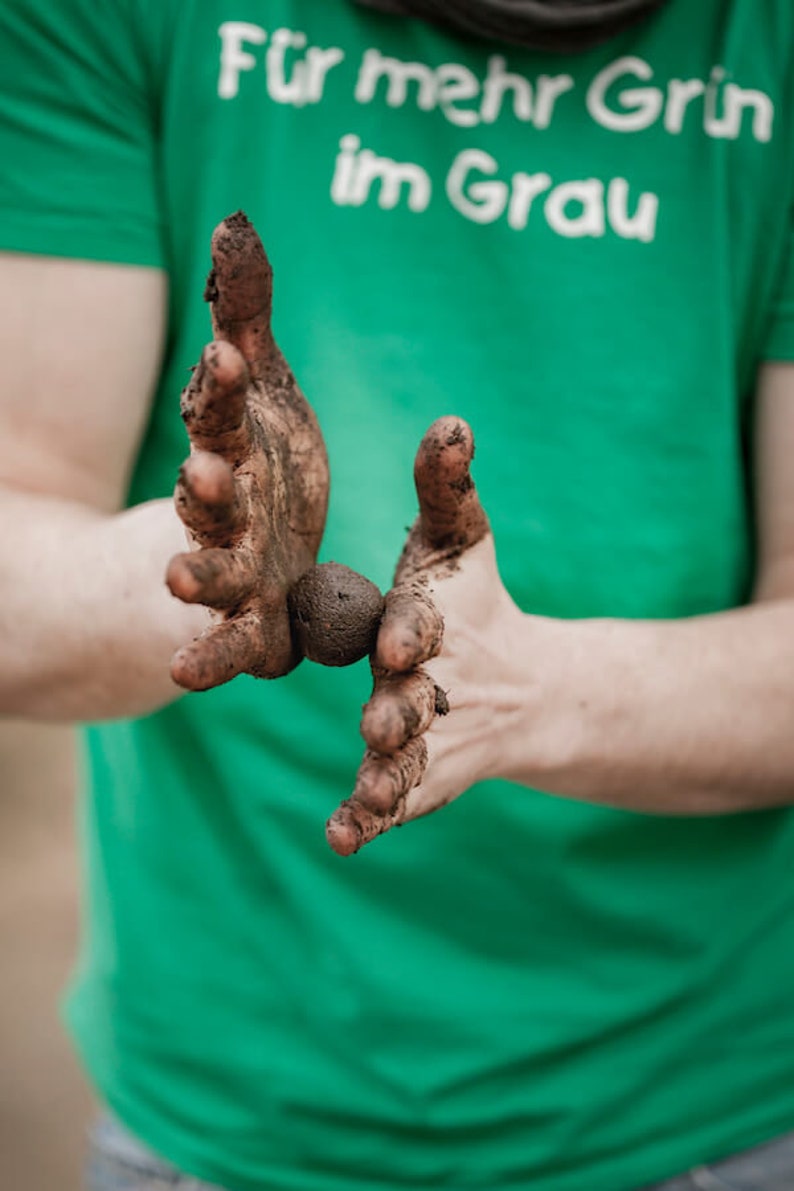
587,258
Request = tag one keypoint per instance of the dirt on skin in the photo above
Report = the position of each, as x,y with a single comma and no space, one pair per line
401,706
335,614
254,491
383,783
412,629
254,495
390,778
240,287
451,518
405,699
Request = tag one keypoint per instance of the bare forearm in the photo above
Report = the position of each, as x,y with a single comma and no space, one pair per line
684,717
87,626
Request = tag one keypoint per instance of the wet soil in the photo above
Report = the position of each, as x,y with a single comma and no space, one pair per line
335,614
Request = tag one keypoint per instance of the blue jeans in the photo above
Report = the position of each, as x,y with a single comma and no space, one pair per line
118,1162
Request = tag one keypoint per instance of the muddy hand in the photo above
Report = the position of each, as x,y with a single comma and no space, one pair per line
254,492
447,571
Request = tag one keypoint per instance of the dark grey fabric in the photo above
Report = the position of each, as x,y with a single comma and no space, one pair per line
562,25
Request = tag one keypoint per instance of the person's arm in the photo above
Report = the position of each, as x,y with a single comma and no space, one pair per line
87,626
689,717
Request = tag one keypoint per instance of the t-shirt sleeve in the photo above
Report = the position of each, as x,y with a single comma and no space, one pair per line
79,173
779,341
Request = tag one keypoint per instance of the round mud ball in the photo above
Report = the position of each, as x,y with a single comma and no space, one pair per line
335,614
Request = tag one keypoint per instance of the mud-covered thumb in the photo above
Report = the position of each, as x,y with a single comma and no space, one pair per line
240,287
451,518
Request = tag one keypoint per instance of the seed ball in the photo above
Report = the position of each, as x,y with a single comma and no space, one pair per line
335,614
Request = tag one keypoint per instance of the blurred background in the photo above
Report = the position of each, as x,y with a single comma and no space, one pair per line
44,1102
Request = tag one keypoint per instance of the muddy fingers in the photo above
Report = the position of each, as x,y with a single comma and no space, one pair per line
218,578
383,782
411,630
214,404
256,485
378,802
451,517
207,499
240,289
352,826
448,561
402,706
223,652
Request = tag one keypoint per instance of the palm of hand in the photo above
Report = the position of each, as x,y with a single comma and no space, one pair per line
254,492
428,728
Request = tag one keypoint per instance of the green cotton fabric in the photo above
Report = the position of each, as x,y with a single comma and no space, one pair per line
587,257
